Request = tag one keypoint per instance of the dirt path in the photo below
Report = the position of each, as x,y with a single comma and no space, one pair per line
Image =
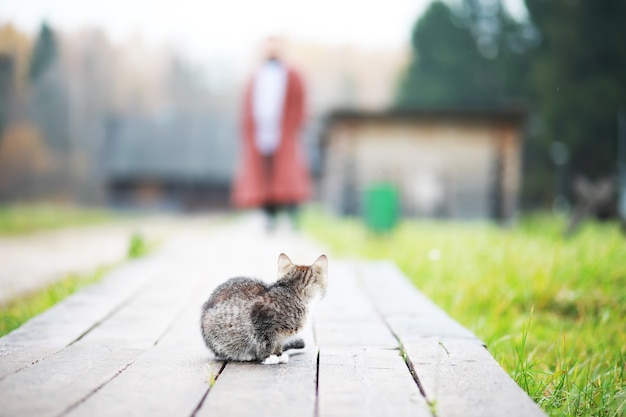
33,261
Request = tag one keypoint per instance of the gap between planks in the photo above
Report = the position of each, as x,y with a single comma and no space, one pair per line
167,377
116,386
361,372
113,344
60,327
453,368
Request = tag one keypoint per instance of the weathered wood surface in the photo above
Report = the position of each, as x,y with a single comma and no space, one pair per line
66,322
131,345
361,370
456,372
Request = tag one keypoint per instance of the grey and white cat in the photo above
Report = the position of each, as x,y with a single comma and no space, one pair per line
246,319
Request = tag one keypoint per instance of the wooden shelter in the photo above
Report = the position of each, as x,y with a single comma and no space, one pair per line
450,163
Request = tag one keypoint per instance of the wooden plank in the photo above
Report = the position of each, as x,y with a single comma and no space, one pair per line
145,318
145,356
249,389
344,298
367,382
345,317
101,354
170,379
354,333
59,326
461,378
458,375
408,312
50,387
361,372
167,380
112,362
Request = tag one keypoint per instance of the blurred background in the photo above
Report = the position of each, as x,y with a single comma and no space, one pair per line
487,110
468,108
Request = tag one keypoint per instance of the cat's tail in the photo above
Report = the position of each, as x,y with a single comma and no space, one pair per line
294,344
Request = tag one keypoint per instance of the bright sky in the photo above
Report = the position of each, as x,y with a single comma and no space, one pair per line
229,28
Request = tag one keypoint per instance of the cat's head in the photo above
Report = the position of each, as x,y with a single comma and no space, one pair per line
310,280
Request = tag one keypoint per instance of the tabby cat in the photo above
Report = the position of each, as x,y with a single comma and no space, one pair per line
246,319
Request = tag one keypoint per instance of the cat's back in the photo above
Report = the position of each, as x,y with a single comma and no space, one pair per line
235,292
226,324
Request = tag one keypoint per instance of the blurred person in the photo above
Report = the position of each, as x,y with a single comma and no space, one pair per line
273,173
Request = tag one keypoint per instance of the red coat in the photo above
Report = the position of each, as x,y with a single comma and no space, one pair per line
290,182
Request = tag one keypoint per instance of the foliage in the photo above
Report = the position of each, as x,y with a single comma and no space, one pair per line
25,162
566,61
138,246
579,78
44,53
550,310
20,219
17,312
456,64
15,46
14,56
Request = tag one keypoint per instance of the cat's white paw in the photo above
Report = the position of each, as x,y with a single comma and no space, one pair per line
271,360
274,360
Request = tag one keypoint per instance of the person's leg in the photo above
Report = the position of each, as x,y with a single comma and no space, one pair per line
293,212
269,207
271,211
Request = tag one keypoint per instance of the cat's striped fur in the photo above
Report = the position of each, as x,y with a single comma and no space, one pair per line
248,320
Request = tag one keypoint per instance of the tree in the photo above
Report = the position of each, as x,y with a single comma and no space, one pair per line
579,78
567,61
6,87
508,45
25,163
44,53
14,56
466,56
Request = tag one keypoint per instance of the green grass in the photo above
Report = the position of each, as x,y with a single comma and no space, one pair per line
139,246
17,220
23,219
19,310
20,219
551,310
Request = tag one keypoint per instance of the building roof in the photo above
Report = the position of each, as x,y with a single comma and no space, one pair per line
511,115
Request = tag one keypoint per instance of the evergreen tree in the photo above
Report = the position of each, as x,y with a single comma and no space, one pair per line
567,62
44,53
6,87
467,56
506,43
579,78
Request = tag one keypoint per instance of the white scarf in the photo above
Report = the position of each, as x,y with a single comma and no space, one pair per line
268,99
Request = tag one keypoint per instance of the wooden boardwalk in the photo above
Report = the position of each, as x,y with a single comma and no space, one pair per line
131,345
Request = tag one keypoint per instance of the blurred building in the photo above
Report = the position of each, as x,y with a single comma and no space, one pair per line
163,139
460,164
176,161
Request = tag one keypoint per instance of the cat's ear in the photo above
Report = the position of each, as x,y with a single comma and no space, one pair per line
283,263
321,262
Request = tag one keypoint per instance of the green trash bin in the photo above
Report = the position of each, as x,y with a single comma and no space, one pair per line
381,207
